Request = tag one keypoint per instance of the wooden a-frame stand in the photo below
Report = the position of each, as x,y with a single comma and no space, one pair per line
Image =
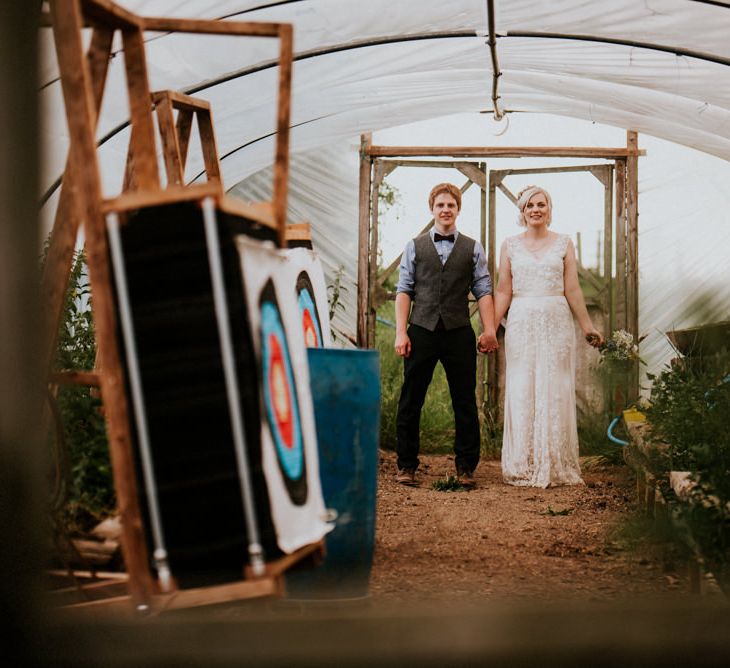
83,78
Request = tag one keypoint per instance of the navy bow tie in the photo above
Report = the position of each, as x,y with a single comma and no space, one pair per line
443,237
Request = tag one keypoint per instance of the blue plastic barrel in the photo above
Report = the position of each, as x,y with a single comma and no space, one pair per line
346,394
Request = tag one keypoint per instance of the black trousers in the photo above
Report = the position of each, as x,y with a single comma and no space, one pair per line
456,350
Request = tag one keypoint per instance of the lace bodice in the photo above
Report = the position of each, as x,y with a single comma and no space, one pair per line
537,273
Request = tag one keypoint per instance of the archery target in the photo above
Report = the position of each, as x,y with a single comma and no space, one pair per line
308,312
288,436
311,293
280,396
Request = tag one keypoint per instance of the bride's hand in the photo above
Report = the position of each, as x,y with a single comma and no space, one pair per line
594,337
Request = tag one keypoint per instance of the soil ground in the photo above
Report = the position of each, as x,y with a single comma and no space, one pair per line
514,543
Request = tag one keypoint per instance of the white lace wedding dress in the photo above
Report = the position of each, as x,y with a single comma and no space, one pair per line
540,444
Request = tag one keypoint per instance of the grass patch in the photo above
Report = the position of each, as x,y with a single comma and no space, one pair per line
557,513
448,484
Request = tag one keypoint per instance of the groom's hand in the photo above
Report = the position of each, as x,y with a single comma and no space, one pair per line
403,345
487,342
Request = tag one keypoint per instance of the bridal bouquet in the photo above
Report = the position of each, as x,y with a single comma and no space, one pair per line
620,347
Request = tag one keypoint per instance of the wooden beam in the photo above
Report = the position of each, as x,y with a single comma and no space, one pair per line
620,291
170,143
143,166
181,100
212,27
501,151
210,148
493,360
67,219
373,301
90,378
363,267
142,198
107,13
81,118
547,170
608,245
281,166
507,192
632,252
299,232
429,164
184,127
473,172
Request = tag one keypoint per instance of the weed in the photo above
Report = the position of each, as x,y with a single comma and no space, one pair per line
448,484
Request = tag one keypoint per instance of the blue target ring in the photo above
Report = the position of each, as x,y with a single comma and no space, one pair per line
280,396
311,328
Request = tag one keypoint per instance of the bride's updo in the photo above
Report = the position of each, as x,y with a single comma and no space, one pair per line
523,197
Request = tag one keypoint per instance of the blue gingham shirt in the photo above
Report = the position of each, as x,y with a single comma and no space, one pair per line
481,283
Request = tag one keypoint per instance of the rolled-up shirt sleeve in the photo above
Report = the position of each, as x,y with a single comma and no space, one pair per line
481,280
407,270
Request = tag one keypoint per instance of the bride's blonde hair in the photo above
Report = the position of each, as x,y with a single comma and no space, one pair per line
524,196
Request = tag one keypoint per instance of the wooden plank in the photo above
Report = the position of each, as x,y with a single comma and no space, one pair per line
507,192
378,176
81,118
473,172
181,100
429,164
608,245
144,170
67,219
299,232
632,253
168,135
548,170
482,359
279,566
259,212
632,240
620,289
90,378
209,147
108,13
184,127
493,360
138,199
500,151
281,166
363,268
212,27
227,593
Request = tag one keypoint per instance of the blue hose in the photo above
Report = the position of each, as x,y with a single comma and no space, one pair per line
610,432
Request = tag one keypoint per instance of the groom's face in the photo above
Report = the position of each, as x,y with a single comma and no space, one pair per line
445,209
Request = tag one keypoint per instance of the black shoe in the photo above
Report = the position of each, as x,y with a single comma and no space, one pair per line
466,478
406,477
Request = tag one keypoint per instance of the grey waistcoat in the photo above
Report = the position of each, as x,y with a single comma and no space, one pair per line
442,291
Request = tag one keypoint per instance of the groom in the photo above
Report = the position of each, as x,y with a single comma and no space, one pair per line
437,271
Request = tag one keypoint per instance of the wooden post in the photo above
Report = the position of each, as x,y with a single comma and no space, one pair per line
608,245
632,251
482,363
67,219
170,143
80,112
363,267
281,167
620,281
378,175
493,364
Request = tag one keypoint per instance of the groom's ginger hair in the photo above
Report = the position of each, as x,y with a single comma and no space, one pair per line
445,189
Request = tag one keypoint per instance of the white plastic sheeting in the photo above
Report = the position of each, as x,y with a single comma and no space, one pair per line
661,67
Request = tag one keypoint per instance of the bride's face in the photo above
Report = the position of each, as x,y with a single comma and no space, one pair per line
536,210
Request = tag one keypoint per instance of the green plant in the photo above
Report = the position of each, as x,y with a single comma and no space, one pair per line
557,513
448,484
89,488
690,405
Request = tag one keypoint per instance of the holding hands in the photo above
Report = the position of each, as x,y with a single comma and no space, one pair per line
487,342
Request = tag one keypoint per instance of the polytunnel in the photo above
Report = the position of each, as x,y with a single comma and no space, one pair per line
658,68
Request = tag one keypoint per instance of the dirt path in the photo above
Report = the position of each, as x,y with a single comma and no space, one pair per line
504,542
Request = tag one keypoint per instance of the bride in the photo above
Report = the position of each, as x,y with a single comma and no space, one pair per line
538,283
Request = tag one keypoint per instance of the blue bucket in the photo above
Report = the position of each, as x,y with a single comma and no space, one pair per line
346,394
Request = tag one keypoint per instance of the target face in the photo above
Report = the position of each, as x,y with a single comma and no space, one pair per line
280,397
308,312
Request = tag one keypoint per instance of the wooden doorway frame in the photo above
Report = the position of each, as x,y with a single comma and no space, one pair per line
376,162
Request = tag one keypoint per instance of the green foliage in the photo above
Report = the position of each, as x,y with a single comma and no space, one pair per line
557,513
690,416
593,439
448,484
90,491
